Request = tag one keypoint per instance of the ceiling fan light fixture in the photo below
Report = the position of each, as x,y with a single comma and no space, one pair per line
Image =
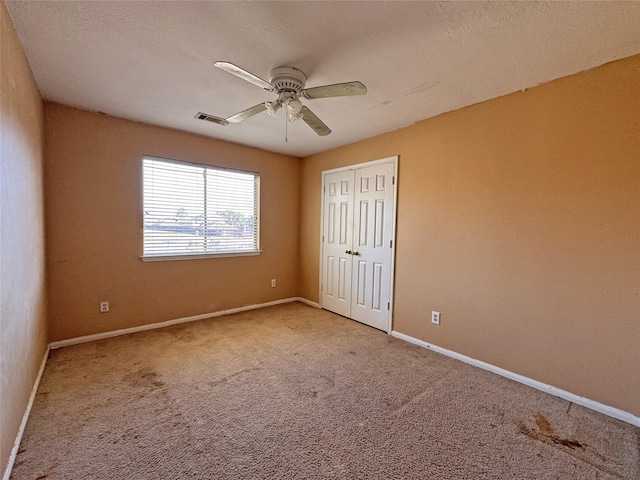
294,117
293,106
272,108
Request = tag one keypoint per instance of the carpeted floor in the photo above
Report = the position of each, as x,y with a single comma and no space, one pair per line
293,392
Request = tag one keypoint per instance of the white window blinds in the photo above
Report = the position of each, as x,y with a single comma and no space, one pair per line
191,209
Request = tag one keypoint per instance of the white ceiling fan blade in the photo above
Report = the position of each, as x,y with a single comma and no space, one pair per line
243,74
249,112
335,90
314,122
211,118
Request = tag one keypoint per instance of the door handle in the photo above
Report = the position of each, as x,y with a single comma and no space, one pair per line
356,253
349,252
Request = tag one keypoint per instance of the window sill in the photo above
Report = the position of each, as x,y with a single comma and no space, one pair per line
198,256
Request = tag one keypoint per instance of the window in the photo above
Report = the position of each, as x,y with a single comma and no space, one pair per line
197,210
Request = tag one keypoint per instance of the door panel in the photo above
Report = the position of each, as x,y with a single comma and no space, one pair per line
329,267
344,280
378,226
376,303
364,217
361,284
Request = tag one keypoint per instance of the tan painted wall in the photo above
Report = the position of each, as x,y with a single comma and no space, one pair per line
94,234
23,327
518,220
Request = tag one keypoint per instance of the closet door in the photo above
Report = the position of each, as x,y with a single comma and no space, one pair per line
357,243
337,240
372,247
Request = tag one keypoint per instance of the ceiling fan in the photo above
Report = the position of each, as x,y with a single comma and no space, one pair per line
288,83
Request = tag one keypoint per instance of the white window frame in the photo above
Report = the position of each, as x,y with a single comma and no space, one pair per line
168,256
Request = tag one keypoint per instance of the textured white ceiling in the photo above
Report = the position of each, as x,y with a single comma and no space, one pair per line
153,61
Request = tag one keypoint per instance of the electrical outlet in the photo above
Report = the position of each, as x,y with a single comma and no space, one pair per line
435,318
104,307
273,283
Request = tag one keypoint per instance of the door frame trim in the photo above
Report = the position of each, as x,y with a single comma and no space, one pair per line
395,160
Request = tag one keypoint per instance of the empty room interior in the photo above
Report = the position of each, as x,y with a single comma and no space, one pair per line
409,243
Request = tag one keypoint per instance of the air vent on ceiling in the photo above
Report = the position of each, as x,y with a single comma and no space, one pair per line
211,118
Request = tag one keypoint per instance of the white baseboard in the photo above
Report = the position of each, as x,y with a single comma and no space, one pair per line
308,302
25,417
558,392
152,326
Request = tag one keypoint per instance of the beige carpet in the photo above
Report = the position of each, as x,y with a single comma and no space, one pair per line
293,392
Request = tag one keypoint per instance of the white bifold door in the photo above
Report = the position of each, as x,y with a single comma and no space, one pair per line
357,242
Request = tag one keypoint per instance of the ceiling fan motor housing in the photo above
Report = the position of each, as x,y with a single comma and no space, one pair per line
288,79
